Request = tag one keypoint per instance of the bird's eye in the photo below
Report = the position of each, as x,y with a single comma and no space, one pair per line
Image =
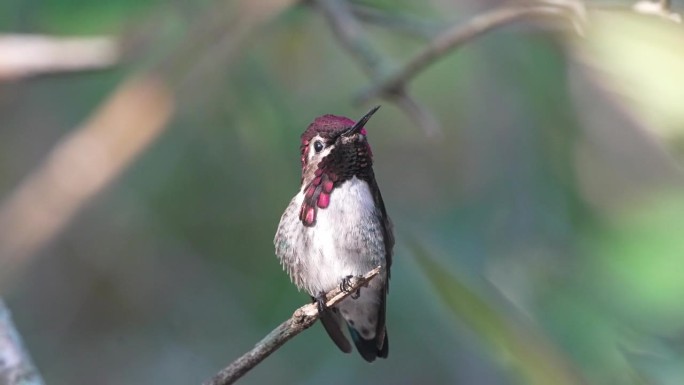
318,146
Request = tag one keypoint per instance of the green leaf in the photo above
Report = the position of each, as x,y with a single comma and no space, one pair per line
537,361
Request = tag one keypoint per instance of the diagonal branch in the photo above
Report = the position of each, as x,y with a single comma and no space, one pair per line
392,85
350,34
302,319
451,39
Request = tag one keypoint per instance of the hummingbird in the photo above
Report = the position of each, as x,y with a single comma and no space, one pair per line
336,227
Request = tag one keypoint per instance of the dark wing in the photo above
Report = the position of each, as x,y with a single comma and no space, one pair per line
381,338
387,227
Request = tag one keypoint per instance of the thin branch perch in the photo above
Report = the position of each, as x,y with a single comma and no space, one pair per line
302,319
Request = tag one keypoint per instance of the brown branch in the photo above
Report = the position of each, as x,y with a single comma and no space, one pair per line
16,366
449,40
302,319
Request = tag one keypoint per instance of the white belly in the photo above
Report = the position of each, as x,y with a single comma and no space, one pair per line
346,239
336,238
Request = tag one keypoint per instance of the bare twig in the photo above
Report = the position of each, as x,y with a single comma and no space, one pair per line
408,25
420,114
16,367
23,55
350,35
392,85
451,39
302,319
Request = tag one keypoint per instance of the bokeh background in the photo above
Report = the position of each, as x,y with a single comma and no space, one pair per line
540,236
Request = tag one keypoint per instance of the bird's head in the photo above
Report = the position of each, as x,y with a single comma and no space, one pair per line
333,150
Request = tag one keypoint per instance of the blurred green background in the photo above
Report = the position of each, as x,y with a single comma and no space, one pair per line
540,238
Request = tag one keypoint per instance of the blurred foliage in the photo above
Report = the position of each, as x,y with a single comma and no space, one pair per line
647,76
552,204
536,362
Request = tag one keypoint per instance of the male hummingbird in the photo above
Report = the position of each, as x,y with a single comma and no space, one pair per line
337,227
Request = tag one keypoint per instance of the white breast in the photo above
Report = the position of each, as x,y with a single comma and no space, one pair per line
346,239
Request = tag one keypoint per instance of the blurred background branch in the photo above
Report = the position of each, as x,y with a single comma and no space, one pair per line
91,157
78,168
454,37
391,85
351,36
25,55
405,24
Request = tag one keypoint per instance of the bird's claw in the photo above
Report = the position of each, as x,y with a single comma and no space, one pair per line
321,300
346,283
346,286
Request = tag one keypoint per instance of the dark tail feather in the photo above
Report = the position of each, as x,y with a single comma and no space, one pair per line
331,323
384,351
369,348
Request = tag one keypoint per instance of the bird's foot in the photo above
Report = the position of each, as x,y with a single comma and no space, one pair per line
321,300
346,283
346,286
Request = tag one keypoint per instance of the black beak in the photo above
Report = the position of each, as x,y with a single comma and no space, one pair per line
362,122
